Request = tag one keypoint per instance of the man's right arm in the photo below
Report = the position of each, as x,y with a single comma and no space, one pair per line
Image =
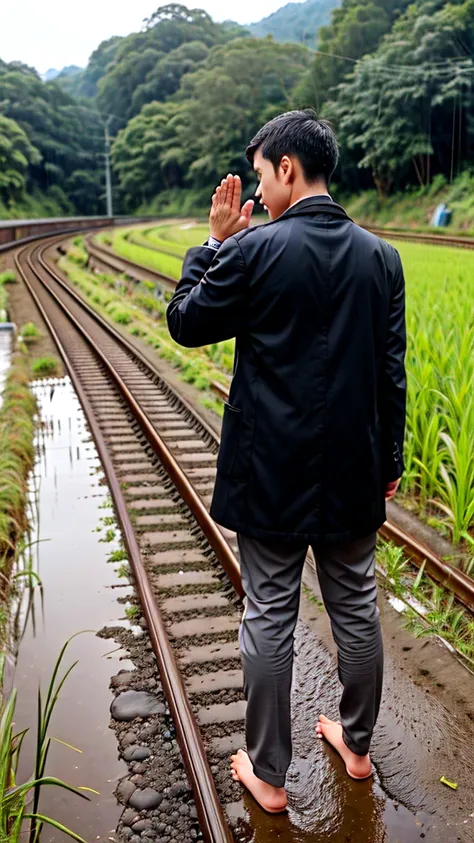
393,386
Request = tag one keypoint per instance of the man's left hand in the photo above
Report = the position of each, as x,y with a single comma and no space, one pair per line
227,217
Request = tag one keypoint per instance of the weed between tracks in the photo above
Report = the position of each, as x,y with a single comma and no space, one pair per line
429,608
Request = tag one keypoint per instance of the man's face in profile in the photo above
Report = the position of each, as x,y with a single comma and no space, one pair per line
273,192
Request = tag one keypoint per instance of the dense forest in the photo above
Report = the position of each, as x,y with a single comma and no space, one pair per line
182,97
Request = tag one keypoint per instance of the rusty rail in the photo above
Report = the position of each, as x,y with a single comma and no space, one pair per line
212,820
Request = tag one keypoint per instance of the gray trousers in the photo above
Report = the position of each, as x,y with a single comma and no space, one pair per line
271,577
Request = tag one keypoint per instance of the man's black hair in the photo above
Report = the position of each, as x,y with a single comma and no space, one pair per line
302,134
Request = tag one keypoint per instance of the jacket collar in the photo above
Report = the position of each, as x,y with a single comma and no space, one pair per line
315,205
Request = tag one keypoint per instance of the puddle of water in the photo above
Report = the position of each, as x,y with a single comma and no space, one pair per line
78,595
6,345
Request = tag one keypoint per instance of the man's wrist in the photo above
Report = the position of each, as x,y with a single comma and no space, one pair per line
214,242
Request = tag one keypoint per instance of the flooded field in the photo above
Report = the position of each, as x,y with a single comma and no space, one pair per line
79,594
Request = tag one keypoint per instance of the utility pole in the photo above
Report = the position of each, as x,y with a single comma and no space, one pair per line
108,180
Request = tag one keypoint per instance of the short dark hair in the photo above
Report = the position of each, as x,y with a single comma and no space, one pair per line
302,134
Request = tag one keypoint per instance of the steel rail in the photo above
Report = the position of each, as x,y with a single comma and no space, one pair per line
420,237
128,346
113,260
213,823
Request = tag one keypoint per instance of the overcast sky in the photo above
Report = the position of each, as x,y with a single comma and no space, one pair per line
56,33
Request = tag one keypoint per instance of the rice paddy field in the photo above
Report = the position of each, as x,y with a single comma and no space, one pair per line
439,452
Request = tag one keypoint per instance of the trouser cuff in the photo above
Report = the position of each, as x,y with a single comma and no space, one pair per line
355,748
269,777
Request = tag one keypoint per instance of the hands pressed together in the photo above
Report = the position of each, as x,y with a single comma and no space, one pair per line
227,217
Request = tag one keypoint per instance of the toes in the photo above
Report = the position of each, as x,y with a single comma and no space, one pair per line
324,719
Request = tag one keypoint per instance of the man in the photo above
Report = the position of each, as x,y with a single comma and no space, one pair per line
312,435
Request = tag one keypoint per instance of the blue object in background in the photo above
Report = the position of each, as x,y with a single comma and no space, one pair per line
441,216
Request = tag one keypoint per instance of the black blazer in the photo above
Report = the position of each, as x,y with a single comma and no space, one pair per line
314,427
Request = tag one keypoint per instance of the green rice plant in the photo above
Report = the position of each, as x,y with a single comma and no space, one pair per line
166,264
440,366
16,460
15,798
7,277
44,366
30,332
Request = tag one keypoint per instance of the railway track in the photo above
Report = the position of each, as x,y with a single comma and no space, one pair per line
153,446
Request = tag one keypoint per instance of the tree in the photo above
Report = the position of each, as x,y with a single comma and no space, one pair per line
202,133
16,153
394,112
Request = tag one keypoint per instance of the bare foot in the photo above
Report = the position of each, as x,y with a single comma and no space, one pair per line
271,799
357,766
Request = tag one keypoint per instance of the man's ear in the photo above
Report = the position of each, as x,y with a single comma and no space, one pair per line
287,170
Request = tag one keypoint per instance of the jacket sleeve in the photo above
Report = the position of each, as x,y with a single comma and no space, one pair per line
394,382
210,300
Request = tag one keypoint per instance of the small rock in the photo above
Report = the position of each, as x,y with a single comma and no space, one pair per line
138,767
127,833
193,812
129,817
125,789
135,839
127,739
164,807
138,780
145,800
141,825
130,704
183,810
122,679
136,753
149,731
161,827
176,789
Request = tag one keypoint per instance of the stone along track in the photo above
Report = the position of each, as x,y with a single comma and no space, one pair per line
152,444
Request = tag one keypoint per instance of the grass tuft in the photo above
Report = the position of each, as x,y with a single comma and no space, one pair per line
44,366
30,332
